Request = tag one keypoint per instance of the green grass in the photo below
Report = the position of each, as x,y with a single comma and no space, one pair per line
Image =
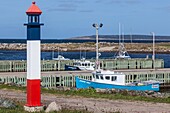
91,93
21,110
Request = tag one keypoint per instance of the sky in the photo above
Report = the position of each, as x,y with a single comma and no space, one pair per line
72,18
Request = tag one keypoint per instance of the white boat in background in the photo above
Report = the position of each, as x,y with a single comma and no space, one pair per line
122,53
82,64
60,57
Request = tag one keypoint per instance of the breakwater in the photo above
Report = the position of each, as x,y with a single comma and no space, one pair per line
90,46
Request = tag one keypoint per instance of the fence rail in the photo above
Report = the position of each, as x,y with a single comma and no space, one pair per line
68,80
111,64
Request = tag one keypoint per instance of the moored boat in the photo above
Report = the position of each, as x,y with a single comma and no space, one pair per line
81,65
60,57
115,80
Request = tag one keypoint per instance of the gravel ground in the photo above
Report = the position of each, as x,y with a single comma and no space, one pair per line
94,105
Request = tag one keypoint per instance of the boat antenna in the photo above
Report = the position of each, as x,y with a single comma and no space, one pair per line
97,26
80,52
123,35
119,32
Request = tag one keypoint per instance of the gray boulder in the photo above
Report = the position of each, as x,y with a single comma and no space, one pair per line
53,107
7,103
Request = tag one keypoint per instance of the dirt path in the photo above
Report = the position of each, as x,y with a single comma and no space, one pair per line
94,105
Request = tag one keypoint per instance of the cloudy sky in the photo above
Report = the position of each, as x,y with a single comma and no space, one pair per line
72,18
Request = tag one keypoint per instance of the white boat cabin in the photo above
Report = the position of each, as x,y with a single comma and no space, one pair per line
84,65
60,57
109,77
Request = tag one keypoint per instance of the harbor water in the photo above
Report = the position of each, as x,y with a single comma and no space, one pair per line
21,55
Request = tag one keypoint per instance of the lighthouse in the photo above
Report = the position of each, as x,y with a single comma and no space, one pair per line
33,58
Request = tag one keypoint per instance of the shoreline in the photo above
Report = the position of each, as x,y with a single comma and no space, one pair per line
149,52
161,48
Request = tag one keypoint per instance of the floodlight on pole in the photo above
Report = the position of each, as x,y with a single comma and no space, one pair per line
97,26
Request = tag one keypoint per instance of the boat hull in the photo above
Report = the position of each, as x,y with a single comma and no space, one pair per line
82,83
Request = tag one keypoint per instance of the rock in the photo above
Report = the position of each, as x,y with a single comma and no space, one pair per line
150,92
97,90
101,90
7,103
66,88
53,107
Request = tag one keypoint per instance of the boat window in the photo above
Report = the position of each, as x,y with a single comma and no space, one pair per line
101,77
82,64
114,78
88,64
85,64
107,77
93,75
97,76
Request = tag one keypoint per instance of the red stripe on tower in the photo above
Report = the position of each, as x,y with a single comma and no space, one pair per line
33,93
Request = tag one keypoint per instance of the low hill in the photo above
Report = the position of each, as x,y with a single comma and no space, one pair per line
125,37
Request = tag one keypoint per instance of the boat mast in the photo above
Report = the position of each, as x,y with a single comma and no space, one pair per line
52,54
80,52
119,53
97,48
119,33
58,51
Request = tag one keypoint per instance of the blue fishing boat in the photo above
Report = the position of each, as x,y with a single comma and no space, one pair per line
115,80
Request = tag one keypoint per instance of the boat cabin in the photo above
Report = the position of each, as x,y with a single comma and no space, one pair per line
109,77
84,65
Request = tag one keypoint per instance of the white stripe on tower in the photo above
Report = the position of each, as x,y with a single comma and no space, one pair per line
33,59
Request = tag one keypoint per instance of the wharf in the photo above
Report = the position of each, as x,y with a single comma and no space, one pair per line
108,64
53,79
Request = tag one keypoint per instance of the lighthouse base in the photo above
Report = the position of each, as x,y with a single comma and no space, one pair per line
34,109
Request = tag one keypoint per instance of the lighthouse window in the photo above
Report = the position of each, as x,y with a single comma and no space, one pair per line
36,19
30,18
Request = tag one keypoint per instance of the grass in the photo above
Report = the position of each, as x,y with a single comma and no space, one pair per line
88,93
91,93
21,110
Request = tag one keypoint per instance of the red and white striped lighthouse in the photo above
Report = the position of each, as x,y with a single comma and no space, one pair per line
33,56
